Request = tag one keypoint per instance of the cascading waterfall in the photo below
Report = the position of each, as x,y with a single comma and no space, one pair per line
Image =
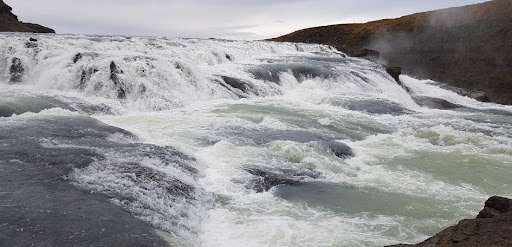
251,143
160,74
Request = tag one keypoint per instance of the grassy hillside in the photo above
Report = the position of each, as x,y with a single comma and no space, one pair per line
468,47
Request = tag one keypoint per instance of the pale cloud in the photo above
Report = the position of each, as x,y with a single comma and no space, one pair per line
233,19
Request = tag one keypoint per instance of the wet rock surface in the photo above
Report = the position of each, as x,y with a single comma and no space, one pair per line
85,76
236,84
265,180
115,71
394,72
301,71
374,107
435,103
10,105
43,201
339,149
474,94
16,70
77,57
495,206
492,227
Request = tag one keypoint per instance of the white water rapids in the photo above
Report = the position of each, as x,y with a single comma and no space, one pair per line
237,107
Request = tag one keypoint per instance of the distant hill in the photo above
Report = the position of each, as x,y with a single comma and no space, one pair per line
9,22
468,47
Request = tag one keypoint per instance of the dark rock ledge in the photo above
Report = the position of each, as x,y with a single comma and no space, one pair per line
492,227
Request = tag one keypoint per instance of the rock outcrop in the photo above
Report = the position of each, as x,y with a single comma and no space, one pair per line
265,180
339,149
16,70
394,72
467,47
492,227
9,22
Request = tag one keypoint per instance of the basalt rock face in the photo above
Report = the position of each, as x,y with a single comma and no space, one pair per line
467,47
492,227
9,22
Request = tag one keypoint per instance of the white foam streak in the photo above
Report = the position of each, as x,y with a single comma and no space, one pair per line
432,89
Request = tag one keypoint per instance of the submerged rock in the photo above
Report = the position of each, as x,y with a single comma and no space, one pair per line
85,76
478,95
114,71
265,180
16,70
492,227
77,57
374,107
339,149
235,83
474,94
30,44
114,76
435,103
266,73
43,158
10,105
272,72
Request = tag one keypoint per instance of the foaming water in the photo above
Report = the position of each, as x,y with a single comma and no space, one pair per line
235,143
411,175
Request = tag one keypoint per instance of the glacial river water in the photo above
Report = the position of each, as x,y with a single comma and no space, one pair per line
247,143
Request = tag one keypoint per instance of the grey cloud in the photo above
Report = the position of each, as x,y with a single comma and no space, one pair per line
239,19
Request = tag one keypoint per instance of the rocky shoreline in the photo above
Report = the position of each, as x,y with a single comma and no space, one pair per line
466,47
9,22
492,227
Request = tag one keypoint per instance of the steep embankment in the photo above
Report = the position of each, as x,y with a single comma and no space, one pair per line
467,47
9,22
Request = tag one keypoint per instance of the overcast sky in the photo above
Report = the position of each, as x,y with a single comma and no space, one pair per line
231,19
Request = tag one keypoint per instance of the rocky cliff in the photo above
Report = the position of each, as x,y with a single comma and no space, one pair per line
492,227
9,22
468,47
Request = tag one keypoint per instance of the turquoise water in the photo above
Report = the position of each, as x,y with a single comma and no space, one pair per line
267,111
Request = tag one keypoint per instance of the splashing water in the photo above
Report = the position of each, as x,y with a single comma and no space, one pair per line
238,143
